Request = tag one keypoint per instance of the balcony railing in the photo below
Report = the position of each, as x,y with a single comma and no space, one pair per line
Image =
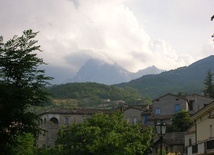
202,147
210,144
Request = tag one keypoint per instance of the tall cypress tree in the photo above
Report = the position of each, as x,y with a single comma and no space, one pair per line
22,85
208,82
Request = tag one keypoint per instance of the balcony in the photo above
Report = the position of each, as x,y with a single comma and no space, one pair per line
210,146
205,147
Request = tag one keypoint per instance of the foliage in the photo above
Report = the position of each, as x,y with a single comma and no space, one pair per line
92,94
49,151
181,122
182,94
22,85
66,103
25,145
174,153
208,82
104,134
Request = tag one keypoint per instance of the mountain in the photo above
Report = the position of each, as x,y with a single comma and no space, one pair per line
185,79
98,71
147,71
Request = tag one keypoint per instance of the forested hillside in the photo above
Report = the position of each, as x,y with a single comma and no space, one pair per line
94,94
182,80
185,79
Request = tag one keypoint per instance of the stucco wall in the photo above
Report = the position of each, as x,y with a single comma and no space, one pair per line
198,102
167,104
49,137
205,127
131,115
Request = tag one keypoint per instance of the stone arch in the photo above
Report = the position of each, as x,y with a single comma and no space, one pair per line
54,120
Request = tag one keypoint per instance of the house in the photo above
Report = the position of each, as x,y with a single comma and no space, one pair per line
164,108
199,138
52,120
172,143
197,102
137,114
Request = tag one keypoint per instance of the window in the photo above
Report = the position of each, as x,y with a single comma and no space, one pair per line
211,130
127,120
190,105
54,120
66,120
177,108
210,144
190,142
145,120
157,111
135,120
195,149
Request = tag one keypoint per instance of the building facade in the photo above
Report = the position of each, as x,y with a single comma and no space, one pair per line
197,102
199,139
54,119
164,108
137,114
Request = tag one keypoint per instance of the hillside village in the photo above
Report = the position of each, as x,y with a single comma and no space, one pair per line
196,140
24,89
137,110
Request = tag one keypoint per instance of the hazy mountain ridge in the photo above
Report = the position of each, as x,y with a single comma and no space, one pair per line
98,71
184,79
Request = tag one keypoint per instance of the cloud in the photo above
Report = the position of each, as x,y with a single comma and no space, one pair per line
76,3
208,48
72,31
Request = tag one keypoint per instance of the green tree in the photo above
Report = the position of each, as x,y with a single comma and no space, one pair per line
25,145
181,122
208,82
182,94
22,85
105,134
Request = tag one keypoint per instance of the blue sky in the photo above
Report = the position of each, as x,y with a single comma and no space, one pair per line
134,34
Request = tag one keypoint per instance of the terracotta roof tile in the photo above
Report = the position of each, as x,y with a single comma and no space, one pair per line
76,111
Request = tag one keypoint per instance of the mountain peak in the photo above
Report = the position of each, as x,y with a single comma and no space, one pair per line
149,70
99,71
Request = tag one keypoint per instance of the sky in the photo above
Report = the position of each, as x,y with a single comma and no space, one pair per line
134,34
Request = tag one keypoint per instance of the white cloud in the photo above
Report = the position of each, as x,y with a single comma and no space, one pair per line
72,31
